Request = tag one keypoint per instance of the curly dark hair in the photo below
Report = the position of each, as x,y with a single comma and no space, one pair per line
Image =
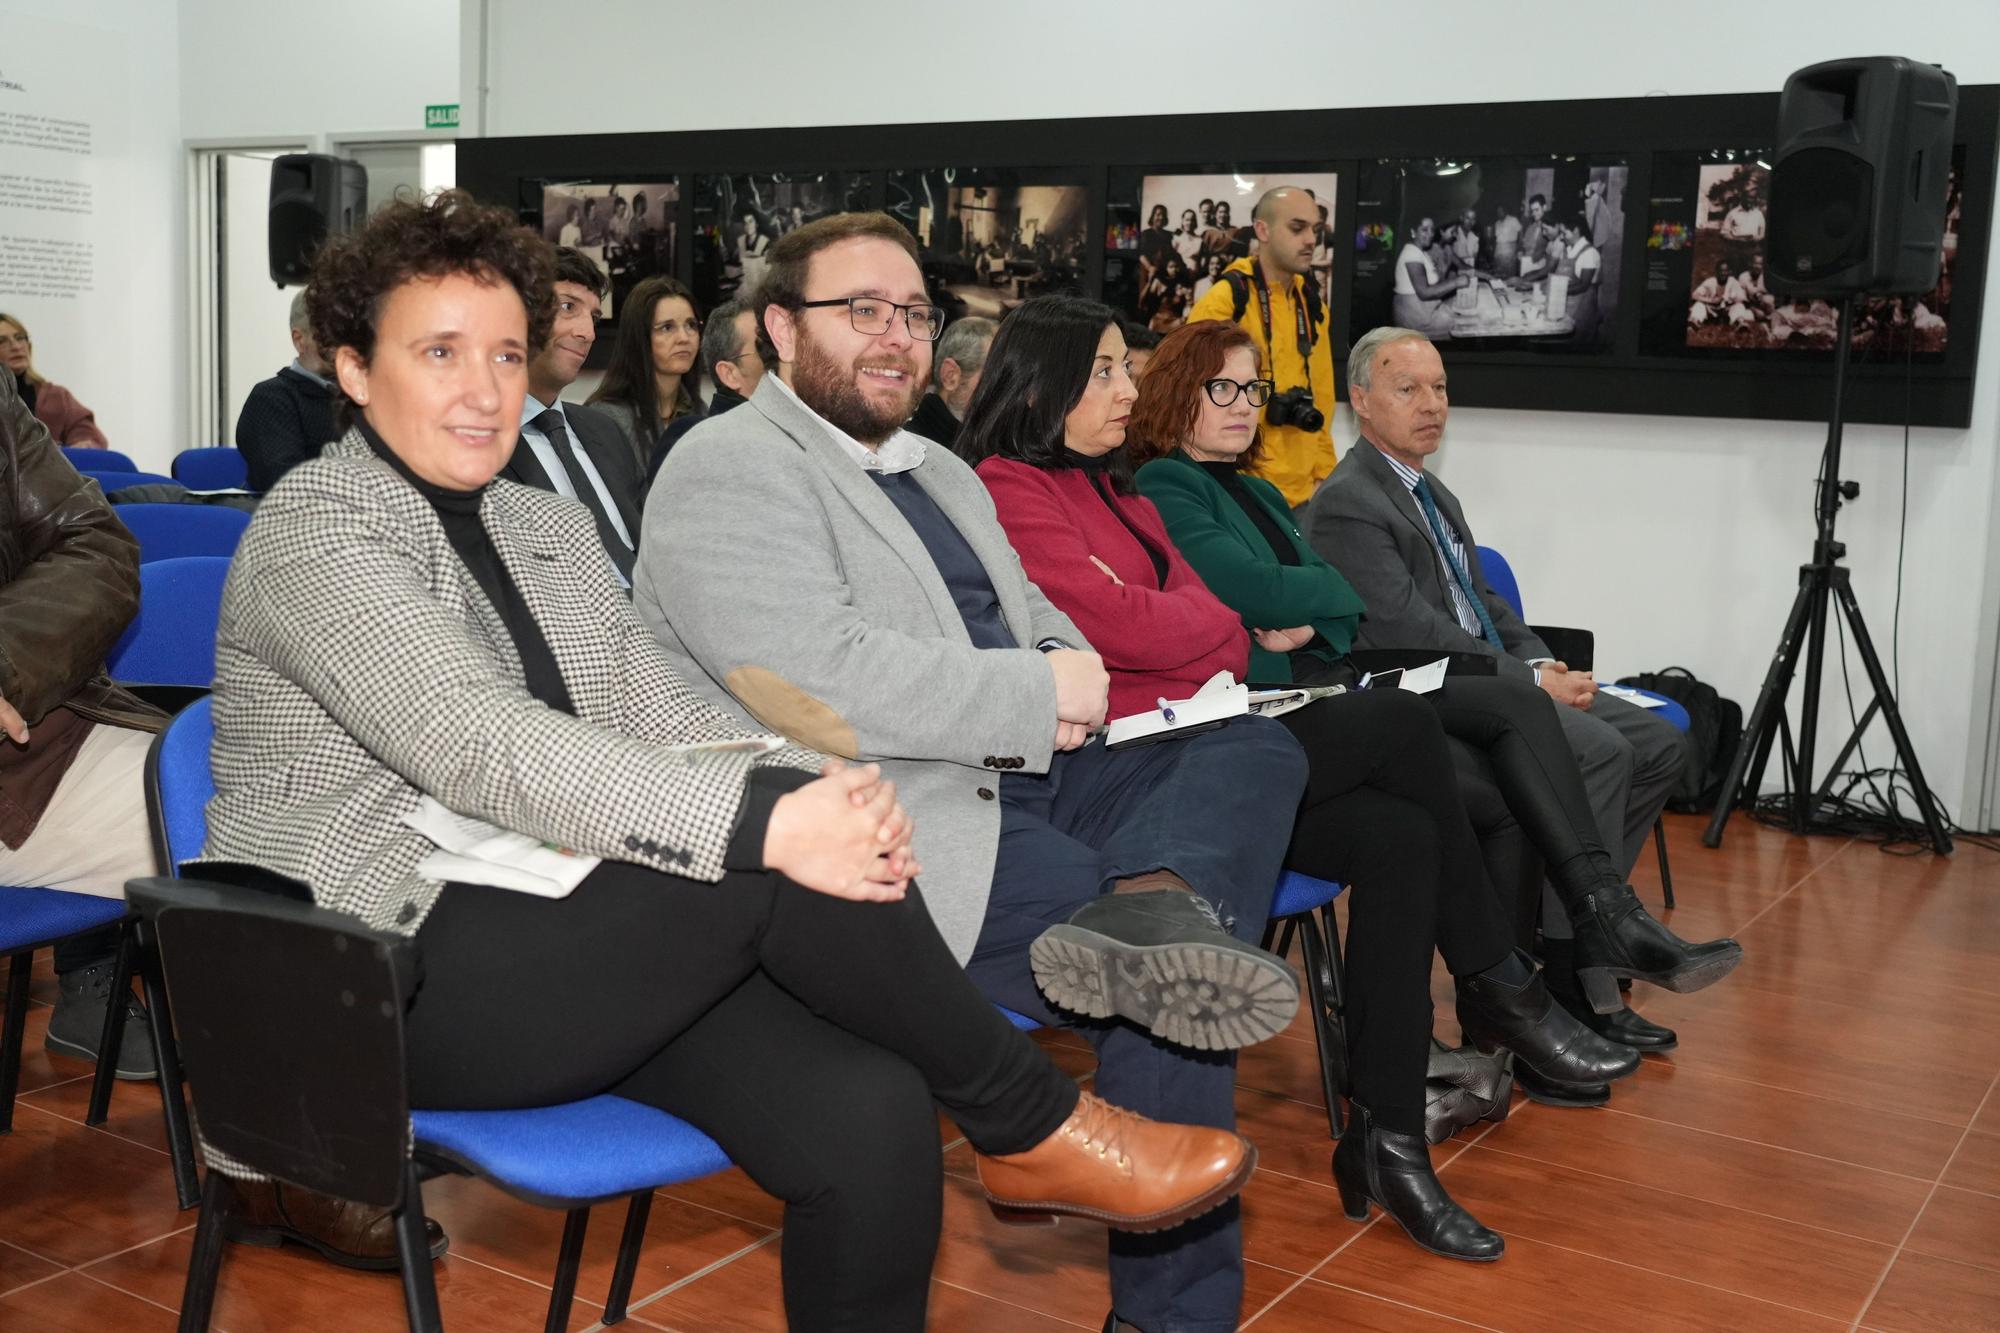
449,233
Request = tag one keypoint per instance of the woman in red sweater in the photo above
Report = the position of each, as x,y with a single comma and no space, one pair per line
1381,810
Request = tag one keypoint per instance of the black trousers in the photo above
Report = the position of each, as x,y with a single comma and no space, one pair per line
1382,814
806,1034
93,948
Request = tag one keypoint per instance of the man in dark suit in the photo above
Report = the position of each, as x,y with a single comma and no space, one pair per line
288,418
569,448
1402,540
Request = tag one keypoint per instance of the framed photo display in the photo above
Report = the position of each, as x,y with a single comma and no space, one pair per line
993,237
627,228
737,218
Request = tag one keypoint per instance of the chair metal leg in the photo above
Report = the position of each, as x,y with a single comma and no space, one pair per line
167,1057
1327,1036
112,1039
1666,873
562,1292
13,1035
413,1253
205,1264
628,1256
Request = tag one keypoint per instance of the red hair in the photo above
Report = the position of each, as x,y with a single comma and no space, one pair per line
1171,393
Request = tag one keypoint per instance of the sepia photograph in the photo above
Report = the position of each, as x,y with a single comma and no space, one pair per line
628,229
1491,249
738,218
992,238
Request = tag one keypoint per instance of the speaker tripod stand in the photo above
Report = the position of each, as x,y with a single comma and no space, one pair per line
1822,581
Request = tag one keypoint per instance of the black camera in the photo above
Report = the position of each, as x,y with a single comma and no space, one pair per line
1295,407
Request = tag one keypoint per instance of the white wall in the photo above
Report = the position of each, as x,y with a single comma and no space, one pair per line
1678,540
118,347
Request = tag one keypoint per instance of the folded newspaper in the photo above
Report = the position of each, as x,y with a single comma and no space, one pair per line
472,851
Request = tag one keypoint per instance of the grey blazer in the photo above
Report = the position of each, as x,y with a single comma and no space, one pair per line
1366,524
786,586
359,665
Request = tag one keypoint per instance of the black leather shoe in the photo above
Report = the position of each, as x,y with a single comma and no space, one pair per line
1161,959
1463,1087
1375,1165
1545,1040
1617,937
1538,1089
1625,1026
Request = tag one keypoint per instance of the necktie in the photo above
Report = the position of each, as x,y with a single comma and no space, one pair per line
551,423
1443,535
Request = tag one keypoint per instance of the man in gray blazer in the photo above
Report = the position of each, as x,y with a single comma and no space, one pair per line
809,563
1401,538
568,448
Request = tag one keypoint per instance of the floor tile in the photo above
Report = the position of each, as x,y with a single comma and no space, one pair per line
1977,1165
39,1069
134,1113
1960,1225
1927,1295
18,1268
1870,1205
1313,1307
70,1194
73,1303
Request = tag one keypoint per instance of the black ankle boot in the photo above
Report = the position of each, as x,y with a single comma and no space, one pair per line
1617,937
1375,1165
1541,1034
1624,1026
1463,1087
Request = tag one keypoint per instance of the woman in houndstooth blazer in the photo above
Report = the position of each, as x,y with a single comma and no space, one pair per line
751,955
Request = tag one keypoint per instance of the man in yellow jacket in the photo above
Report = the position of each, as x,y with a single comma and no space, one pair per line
1271,296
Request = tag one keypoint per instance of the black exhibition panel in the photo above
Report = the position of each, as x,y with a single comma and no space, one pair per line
1664,160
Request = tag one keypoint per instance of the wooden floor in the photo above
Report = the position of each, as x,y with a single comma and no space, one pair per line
1822,1153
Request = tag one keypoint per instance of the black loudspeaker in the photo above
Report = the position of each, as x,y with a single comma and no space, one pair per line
312,196
1858,182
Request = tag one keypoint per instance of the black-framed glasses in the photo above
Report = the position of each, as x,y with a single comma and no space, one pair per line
872,315
1223,392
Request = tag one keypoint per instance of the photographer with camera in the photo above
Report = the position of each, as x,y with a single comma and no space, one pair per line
1275,299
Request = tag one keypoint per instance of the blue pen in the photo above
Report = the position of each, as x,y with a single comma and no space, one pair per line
1165,711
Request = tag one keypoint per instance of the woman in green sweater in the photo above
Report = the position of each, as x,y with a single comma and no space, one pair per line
1193,435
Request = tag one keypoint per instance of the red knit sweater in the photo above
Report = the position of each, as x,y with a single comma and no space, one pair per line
1156,642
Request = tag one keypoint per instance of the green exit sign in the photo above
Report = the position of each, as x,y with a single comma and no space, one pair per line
441,116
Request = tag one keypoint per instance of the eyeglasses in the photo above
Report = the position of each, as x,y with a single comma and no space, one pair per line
669,327
872,315
1223,392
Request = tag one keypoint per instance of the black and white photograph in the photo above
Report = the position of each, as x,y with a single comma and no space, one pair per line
992,238
627,228
1730,306
738,218
1492,251
1195,226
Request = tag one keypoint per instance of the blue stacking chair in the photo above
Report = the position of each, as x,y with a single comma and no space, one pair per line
217,469
1500,577
172,642
31,919
173,531
110,482
235,956
84,458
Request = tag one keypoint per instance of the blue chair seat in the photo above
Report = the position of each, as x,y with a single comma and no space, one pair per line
87,458
533,1153
1302,893
172,642
174,531
1021,1021
217,469
31,917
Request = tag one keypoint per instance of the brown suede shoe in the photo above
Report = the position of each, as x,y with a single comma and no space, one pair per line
1118,1167
350,1234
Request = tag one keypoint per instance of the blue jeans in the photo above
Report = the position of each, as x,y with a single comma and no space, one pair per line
1217,810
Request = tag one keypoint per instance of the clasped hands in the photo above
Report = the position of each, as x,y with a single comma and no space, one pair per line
1575,688
844,834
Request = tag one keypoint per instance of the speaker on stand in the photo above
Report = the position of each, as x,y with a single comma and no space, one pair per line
1858,191
313,196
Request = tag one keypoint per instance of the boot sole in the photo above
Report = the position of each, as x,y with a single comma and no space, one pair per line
1214,1197
1193,995
1564,1094
74,1051
271,1238
1600,985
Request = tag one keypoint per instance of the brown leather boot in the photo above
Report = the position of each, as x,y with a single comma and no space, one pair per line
1118,1167
353,1235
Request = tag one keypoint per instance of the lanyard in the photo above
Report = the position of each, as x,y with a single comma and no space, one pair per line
1305,334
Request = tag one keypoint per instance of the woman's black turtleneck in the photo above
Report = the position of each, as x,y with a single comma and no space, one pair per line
458,511
1098,470
1231,480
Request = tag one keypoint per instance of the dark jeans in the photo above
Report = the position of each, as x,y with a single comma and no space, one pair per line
1382,814
1216,809
806,1034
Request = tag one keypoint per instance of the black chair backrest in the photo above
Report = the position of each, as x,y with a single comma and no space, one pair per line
290,1020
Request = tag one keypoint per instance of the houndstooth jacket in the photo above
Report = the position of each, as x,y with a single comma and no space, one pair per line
359,665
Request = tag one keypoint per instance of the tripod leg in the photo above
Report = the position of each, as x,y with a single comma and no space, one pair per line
1766,715
1853,744
1905,752
1804,799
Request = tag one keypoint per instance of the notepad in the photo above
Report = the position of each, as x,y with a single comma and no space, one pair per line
1219,699
1632,696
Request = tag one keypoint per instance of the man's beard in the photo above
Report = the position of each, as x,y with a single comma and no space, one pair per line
827,386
